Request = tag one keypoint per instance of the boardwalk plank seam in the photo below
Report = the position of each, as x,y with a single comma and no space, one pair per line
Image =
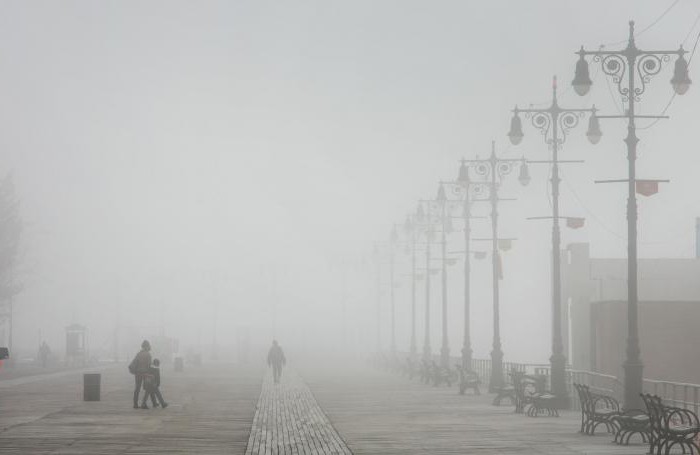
289,421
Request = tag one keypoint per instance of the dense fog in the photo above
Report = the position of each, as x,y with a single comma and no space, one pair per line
218,172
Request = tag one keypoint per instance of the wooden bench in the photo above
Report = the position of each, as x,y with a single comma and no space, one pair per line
468,379
629,423
442,375
597,409
409,368
671,426
506,391
425,371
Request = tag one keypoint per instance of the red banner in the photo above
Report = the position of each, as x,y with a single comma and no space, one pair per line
575,223
647,187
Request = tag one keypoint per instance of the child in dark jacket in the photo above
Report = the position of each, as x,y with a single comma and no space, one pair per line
153,386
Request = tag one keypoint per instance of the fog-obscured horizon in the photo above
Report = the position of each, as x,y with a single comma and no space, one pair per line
208,169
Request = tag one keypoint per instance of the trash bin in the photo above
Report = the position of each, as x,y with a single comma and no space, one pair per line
91,386
179,364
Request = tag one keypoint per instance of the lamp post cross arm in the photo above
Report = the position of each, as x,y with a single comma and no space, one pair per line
497,160
636,180
530,218
553,162
552,109
632,52
500,199
634,116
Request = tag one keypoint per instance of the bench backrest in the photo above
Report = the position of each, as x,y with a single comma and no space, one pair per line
591,401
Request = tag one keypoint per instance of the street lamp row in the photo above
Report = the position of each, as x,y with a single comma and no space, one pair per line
631,69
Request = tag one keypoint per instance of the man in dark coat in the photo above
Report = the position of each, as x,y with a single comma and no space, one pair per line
275,358
140,366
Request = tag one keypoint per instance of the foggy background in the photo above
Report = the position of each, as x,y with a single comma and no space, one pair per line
213,168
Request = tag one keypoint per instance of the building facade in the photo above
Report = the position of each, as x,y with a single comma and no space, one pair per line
595,314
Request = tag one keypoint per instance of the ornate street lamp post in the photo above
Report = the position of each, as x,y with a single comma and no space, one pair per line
424,219
637,66
464,183
377,255
392,247
411,228
439,214
554,122
378,289
494,170
442,203
414,226
462,187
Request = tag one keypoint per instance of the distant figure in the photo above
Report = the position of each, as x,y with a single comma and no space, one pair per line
152,386
140,367
275,358
44,353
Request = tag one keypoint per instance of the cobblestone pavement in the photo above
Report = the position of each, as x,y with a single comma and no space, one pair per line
288,420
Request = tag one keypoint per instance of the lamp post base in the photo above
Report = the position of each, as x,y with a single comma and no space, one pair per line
467,358
427,355
496,379
445,357
633,384
558,381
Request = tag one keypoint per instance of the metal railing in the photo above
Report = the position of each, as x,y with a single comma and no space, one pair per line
678,394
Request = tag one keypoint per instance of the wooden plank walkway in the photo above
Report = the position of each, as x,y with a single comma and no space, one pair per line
224,409
288,420
211,410
378,412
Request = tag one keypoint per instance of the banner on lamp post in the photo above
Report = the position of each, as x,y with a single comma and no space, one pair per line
575,222
505,244
647,187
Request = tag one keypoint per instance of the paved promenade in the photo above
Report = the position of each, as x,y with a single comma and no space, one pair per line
223,409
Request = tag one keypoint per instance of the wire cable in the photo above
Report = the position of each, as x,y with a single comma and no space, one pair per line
648,27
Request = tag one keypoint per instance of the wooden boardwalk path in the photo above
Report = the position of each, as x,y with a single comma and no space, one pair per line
224,409
378,412
289,421
211,410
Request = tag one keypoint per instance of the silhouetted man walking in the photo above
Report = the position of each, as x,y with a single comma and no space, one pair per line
44,353
275,358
